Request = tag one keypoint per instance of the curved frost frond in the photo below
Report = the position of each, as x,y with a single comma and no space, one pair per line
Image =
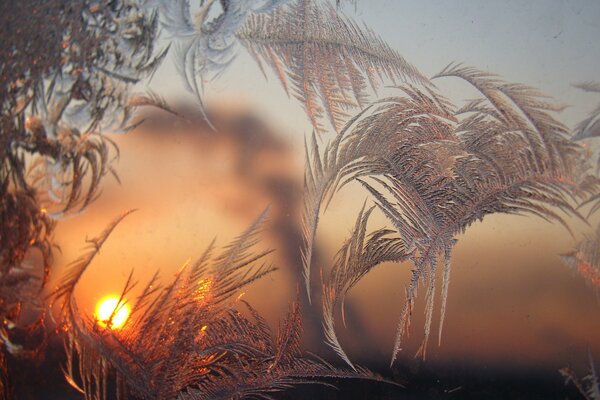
589,385
525,109
590,126
585,258
363,148
188,340
360,254
433,171
59,110
324,59
205,45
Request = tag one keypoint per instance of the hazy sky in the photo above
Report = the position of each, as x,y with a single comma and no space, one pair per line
544,43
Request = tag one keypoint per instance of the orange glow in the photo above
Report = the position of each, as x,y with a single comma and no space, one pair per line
203,288
589,272
111,313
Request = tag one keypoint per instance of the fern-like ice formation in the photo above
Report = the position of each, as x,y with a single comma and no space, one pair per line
63,107
589,127
585,258
587,130
65,73
205,46
324,59
433,171
589,385
57,96
187,340
359,254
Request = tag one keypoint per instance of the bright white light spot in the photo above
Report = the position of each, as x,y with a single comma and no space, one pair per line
106,308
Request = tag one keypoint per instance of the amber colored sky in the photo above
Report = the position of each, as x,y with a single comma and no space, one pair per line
511,300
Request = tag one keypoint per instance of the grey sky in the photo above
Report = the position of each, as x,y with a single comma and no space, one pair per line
544,43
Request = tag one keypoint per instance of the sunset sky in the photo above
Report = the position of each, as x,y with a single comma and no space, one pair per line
511,300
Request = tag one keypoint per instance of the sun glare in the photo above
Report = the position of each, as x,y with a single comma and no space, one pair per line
109,306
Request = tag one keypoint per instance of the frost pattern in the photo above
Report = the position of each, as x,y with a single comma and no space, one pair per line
188,340
66,70
433,171
324,59
589,385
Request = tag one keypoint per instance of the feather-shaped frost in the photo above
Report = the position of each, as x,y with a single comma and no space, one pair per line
590,126
360,254
433,172
188,340
204,47
585,258
64,82
324,59
589,385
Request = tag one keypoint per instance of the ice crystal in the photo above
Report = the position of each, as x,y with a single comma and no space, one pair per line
433,171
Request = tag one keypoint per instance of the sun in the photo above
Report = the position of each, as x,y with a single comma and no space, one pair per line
106,308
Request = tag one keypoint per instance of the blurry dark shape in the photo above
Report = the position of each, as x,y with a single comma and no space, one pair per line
5,390
324,59
262,160
65,67
263,167
589,385
434,171
187,340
